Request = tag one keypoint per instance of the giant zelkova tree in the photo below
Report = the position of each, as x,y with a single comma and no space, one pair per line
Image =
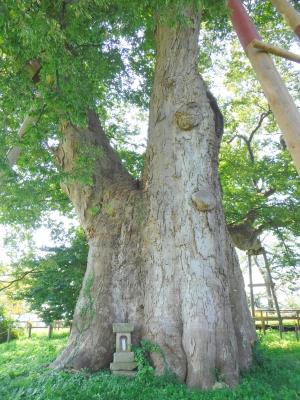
160,255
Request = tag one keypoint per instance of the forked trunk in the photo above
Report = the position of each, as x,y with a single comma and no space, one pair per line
160,257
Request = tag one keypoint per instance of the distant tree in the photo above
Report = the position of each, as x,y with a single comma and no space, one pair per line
53,287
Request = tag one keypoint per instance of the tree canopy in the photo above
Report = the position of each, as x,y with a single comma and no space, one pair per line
54,284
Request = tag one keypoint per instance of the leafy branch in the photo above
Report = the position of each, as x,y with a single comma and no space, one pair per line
248,141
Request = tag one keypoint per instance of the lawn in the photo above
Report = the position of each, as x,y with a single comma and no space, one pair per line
24,375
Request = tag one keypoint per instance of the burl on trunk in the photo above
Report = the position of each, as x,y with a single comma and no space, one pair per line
160,256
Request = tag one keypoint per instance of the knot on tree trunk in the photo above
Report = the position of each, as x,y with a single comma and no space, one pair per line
187,116
204,200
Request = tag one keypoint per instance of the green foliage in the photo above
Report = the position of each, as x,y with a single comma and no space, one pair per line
285,260
142,358
85,160
53,287
133,161
245,191
23,375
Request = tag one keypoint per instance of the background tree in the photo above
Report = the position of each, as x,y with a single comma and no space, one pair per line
53,287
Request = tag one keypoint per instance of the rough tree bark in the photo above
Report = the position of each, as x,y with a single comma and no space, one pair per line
160,255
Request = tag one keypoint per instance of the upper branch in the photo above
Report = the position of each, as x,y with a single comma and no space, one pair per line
14,153
261,120
248,140
33,67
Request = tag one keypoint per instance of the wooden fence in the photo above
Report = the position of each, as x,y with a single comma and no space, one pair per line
266,319
30,325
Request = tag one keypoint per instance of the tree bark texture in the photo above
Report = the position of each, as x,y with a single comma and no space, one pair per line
160,255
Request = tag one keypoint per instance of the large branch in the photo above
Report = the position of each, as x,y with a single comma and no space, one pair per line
33,67
105,176
15,152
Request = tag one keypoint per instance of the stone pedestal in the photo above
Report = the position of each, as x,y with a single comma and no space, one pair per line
123,363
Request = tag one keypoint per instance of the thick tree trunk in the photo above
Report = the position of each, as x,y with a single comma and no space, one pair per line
111,211
160,257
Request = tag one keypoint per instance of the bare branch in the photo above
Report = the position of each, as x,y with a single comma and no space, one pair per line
32,271
261,120
249,139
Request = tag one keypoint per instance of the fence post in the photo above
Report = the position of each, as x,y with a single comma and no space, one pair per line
281,330
70,327
29,324
50,330
263,322
8,334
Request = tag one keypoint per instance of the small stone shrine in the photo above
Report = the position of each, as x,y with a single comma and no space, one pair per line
123,363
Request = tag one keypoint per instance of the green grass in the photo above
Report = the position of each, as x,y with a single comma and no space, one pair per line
24,375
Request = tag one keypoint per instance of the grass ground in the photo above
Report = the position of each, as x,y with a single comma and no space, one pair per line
24,375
